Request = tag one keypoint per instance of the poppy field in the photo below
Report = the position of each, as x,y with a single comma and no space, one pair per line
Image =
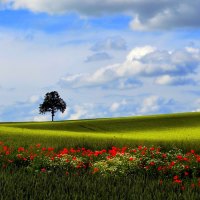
57,161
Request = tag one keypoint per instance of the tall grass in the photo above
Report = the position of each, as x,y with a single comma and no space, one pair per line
22,185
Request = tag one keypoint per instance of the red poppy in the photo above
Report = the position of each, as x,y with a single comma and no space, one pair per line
179,157
5,148
38,145
131,159
134,150
152,148
20,149
139,147
164,155
187,167
177,181
186,173
50,149
74,158
43,170
152,163
95,170
175,177
183,188
172,163
159,168
192,151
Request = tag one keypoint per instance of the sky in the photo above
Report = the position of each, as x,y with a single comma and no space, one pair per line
108,58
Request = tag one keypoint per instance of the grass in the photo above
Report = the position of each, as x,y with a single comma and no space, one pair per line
52,187
180,130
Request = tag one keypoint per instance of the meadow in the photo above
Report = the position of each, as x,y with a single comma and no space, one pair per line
171,131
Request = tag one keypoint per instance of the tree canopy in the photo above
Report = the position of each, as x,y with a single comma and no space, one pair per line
52,103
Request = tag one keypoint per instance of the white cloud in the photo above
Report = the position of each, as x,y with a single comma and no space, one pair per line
34,99
88,8
170,80
197,110
116,105
64,114
150,105
144,61
146,15
111,43
139,52
164,80
41,118
98,57
123,83
171,14
136,24
196,105
156,104
79,112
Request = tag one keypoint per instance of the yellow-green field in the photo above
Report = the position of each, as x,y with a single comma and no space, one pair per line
181,129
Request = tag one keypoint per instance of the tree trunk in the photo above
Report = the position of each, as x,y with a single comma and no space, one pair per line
52,115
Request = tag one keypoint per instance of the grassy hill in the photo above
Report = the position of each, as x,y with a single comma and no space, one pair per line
163,129
124,124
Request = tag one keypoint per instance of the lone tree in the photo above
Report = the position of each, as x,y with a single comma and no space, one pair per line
52,103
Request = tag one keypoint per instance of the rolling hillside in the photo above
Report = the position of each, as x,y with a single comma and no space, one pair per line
117,125
182,129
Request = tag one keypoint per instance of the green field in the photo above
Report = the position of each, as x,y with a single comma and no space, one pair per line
182,130
172,130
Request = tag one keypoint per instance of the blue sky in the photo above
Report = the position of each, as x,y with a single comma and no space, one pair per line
106,59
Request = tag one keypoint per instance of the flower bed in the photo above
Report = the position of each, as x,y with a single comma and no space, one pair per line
180,168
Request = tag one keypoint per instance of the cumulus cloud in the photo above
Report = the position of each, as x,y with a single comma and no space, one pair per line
88,8
150,104
196,104
155,104
87,111
171,14
79,112
146,15
64,114
116,105
41,118
146,61
170,80
123,83
98,57
34,98
111,43
19,111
